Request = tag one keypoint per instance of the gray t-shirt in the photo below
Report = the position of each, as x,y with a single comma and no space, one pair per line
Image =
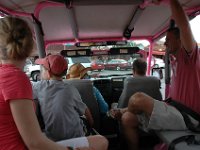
61,108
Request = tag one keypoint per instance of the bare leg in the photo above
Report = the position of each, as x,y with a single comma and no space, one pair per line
138,103
130,126
98,142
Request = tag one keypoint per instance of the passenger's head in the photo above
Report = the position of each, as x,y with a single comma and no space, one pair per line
16,42
139,67
78,71
173,42
52,66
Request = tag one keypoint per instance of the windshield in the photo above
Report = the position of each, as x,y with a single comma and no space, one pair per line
106,66
109,61
80,59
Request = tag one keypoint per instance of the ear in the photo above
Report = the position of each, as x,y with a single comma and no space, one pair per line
67,76
48,73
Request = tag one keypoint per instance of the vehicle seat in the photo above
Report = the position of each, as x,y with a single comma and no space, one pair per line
149,85
85,88
105,88
117,87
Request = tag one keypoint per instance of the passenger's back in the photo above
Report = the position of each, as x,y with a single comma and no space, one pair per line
85,88
147,84
61,107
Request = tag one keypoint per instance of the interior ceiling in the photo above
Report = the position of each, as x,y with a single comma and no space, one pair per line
95,19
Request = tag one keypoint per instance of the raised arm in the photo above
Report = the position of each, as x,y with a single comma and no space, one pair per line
182,22
28,127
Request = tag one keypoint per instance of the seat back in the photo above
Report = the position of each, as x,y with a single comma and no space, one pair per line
117,87
149,85
85,88
105,88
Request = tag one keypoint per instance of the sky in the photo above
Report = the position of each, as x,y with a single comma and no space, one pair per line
195,26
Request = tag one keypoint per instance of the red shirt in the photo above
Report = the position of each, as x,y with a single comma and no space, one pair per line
185,84
14,85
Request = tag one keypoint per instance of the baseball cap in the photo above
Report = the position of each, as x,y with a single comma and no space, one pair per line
56,64
78,71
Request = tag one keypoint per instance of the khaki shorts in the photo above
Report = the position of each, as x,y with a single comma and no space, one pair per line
75,142
163,117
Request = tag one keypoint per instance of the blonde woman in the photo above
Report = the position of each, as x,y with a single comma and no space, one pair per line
19,128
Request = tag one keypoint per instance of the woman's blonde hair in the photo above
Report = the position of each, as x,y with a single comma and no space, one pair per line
16,41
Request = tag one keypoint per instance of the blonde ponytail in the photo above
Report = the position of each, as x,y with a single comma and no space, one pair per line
16,41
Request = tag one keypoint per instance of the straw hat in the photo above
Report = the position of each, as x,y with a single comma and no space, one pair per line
77,71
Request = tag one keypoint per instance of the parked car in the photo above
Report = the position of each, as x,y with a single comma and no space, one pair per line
32,70
117,64
97,65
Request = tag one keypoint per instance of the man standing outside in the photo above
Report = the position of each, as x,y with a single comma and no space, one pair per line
145,112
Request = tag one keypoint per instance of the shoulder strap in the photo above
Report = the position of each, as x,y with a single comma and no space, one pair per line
189,139
183,108
189,123
185,111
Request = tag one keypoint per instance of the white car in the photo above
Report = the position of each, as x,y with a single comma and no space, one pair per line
32,70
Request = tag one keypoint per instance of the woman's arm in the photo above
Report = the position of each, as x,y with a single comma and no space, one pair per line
28,126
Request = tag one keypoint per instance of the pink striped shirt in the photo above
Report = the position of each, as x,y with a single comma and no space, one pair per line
185,83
